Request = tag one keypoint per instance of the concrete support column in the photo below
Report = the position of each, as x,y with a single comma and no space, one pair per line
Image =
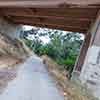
90,73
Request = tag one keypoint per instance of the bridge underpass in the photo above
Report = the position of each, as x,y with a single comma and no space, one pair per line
69,16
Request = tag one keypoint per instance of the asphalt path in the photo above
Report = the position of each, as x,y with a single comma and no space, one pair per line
32,83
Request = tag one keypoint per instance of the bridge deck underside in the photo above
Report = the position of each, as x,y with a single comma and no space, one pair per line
69,18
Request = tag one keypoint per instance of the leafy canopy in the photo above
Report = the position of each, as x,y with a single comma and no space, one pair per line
63,46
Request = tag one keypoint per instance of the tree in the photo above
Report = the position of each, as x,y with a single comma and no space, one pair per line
63,46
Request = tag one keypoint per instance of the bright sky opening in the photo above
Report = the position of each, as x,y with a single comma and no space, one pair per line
44,39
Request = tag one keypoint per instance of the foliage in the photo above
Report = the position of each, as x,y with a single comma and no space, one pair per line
63,46
28,42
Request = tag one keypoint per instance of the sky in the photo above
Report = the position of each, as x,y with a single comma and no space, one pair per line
26,27
44,39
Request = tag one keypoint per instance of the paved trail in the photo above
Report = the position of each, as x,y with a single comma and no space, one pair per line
31,83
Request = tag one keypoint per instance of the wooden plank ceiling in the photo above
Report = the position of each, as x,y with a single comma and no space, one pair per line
69,18
47,3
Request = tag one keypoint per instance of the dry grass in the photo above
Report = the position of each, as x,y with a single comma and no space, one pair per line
15,48
8,70
8,61
70,90
12,52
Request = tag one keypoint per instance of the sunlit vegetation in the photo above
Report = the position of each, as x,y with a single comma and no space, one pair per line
63,47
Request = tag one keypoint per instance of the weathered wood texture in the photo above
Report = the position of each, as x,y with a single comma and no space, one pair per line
76,19
47,3
97,33
83,51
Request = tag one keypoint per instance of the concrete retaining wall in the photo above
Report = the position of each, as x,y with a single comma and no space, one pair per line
10,29
90,74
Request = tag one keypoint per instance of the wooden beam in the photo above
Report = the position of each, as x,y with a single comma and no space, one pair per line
73,13
53,21
83,50
52,17
60,27
47,3
55,27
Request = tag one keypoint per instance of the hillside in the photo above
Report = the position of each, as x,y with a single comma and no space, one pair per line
12,52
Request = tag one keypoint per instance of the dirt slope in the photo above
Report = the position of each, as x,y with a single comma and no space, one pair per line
12,52
68,88
13,48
